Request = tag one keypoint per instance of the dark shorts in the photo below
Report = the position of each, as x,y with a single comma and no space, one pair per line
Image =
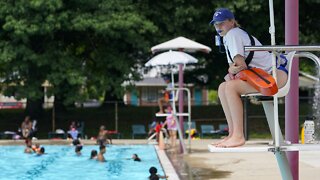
282,68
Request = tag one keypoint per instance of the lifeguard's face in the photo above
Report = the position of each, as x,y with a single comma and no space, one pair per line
223,27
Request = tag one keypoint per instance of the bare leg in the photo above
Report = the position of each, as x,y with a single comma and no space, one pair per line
233,90
226,110
173,137
160,103
281,78
232,106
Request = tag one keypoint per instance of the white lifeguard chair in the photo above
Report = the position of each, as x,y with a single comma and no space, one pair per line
270,106
279,146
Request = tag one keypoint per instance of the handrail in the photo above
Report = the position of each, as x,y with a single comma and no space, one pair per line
189,114
311,56
279,48
283,48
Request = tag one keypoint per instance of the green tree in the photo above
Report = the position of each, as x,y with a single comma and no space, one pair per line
81,47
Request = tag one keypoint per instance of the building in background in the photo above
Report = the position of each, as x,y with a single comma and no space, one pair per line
147,91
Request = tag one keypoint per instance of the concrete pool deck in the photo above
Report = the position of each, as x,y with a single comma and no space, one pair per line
201,164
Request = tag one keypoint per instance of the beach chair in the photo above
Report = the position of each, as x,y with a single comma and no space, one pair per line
207,130
223,129
80,129
8,135
34,128
186,127
58,134
138,129
53,135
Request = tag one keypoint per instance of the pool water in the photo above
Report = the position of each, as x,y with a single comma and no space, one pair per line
60,162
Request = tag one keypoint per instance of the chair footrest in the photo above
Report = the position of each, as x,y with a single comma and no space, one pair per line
289,147
259,97
177,114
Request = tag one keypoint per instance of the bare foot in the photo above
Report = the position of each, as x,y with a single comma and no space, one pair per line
160,112
232,142
220,141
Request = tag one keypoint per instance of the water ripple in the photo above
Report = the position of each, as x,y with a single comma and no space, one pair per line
39,169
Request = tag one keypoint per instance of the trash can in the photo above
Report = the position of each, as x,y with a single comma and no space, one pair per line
308,131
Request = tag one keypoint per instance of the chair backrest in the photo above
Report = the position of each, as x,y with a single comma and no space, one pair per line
80,128
186,125
152,125
34,125
285,89
223,127
207,128
59,131
138,129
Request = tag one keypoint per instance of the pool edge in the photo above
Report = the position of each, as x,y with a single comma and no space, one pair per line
166,164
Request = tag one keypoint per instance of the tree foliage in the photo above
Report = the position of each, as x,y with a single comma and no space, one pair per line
87,48
81,47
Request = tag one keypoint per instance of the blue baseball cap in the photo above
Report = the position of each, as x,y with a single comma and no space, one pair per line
221,15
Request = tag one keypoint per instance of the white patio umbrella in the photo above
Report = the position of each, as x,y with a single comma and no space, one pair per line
171,58
181,44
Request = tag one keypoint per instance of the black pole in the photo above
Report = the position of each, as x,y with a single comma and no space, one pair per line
245,118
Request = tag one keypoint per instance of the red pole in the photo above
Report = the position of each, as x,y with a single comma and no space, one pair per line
292,99
181,102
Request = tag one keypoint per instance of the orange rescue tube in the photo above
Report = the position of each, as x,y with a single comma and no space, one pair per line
260,80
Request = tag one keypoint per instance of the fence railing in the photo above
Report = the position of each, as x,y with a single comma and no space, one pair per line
120,117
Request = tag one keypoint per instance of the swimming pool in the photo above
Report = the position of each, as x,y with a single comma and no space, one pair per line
60,162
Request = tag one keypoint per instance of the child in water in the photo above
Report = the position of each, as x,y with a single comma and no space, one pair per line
154,176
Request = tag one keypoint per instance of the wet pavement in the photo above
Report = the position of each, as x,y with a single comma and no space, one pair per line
200,164
193,170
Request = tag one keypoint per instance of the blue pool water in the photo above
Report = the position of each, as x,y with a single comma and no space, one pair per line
60,162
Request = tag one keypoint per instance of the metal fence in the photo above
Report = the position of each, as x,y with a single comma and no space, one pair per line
117,116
